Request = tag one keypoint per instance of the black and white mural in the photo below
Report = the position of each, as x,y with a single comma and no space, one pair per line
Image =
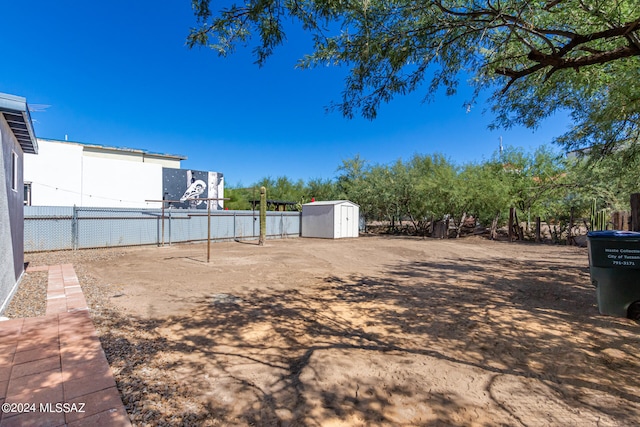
185,188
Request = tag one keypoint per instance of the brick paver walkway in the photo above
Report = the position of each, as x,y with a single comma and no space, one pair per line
53,371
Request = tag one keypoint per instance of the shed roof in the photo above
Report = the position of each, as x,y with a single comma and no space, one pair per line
16,113
330,202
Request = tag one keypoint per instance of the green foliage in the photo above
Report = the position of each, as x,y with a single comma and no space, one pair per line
282,189
609,180
438,193
239,198
430,187
486,191
535,183
320,189
538,57
419,190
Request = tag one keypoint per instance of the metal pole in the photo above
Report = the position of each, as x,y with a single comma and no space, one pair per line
74,229
163,201
208,231
163,224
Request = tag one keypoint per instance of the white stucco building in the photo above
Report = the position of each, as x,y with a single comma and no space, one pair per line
69,173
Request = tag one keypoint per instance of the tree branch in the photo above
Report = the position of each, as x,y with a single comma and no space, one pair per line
558,61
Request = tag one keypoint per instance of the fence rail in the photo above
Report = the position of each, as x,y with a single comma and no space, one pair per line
49,228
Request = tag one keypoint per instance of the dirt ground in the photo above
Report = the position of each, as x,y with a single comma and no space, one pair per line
391,331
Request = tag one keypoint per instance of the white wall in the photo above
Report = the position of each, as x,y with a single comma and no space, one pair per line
68,174
120,183
61,175
54,173
216,189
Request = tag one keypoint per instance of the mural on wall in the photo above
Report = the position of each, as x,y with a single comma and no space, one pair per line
187,187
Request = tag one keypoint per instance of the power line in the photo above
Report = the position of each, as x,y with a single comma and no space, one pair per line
93,196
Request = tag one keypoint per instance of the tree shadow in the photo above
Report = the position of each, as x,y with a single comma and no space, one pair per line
426,343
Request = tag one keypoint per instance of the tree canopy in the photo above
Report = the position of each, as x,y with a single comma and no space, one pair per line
536,56
410,195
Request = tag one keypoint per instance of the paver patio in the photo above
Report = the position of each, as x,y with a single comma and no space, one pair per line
53,370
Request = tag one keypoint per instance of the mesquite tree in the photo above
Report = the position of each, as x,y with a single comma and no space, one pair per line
536,56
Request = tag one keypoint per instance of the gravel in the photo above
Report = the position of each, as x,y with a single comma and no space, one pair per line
30,300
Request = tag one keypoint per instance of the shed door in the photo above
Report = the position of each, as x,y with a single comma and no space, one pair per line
346,219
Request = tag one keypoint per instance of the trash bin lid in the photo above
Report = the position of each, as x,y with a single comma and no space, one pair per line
613,234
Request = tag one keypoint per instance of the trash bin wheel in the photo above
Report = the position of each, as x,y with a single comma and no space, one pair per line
633,312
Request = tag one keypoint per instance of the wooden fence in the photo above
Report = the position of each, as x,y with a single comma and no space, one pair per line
575,227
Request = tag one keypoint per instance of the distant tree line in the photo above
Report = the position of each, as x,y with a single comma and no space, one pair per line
428,188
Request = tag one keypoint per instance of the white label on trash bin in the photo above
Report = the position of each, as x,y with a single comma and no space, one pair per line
623,257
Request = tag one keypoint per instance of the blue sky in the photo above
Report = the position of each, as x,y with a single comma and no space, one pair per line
118,73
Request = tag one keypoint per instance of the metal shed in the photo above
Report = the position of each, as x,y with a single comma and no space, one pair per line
333,219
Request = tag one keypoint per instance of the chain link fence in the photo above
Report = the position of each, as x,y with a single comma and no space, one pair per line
48,228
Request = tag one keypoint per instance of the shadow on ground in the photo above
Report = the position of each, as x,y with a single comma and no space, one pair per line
459,343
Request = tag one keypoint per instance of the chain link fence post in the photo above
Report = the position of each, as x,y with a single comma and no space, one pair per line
74,228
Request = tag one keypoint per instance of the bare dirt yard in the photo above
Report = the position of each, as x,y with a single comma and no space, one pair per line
375,331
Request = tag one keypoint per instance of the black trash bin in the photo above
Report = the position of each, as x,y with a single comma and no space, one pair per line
614,264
